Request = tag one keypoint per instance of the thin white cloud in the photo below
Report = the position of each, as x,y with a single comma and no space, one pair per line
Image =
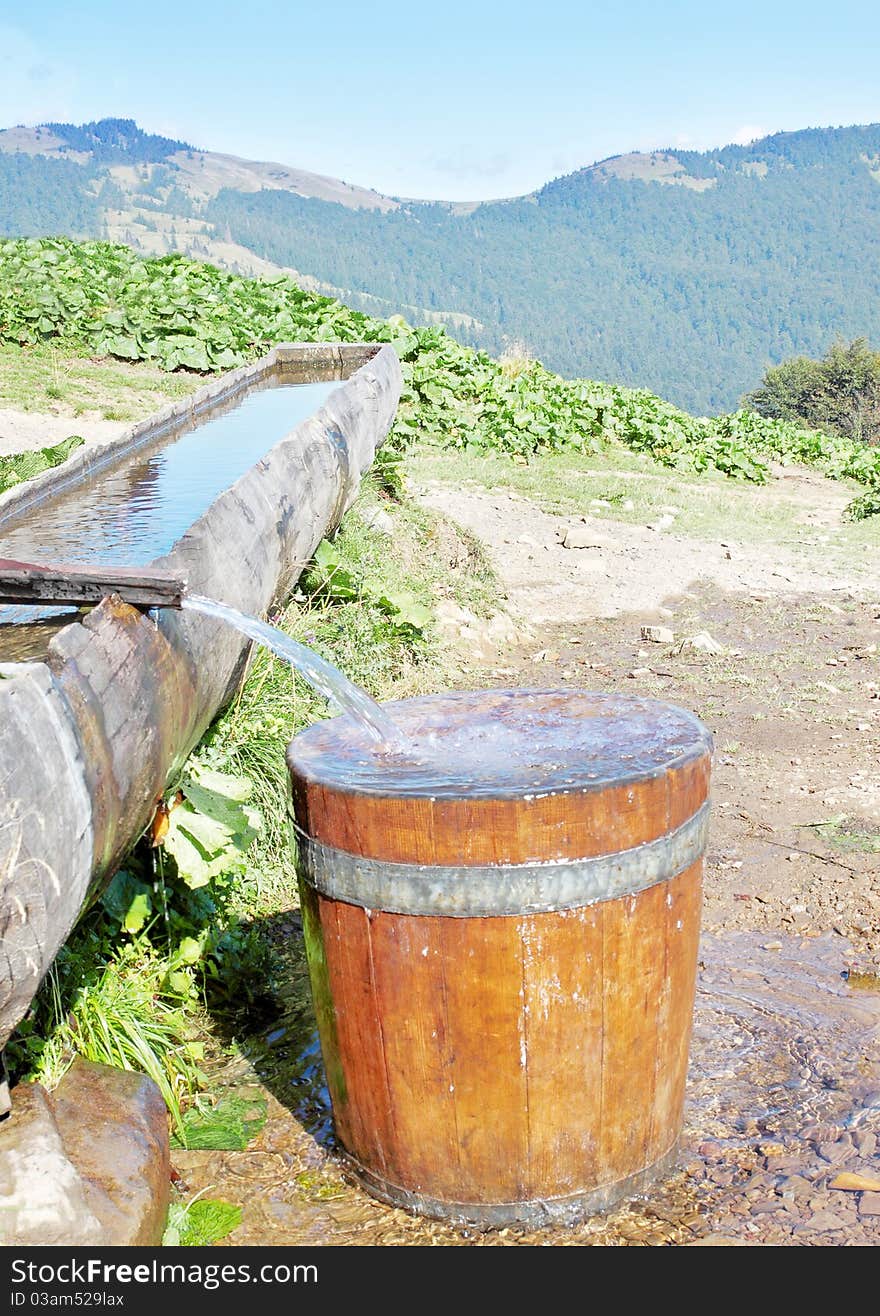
748,133
464,164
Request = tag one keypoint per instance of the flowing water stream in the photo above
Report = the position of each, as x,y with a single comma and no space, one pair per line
321,675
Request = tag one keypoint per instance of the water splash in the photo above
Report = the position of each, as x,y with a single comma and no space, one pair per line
321,675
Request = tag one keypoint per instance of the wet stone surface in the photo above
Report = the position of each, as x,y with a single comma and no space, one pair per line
783,1095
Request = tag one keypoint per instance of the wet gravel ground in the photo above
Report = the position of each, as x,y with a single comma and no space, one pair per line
783,1097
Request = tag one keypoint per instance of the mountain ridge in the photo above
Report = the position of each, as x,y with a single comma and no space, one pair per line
734,259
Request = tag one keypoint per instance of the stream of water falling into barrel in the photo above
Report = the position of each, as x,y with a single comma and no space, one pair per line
320,675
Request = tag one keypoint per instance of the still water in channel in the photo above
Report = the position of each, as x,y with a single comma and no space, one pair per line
135,508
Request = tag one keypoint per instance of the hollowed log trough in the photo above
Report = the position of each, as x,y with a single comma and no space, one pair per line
90,737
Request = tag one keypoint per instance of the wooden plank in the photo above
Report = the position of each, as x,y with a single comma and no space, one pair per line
682,905
81,583
362,1107
416,829
562,1008
482,973
634,958
409,974
138,696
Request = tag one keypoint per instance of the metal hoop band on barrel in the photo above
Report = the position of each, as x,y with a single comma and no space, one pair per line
503,889
535,1214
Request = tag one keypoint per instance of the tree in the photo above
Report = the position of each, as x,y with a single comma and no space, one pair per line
839,393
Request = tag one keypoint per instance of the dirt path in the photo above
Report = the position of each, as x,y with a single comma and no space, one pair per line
576,568
792,694
23,430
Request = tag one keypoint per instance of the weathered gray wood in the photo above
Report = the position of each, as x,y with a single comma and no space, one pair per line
46,839
89,740
80,583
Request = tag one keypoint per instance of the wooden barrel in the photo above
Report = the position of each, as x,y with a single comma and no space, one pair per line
501,924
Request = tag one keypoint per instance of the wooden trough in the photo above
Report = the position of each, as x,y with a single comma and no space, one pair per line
90,736
502,940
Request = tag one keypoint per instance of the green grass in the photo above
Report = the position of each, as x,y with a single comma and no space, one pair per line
44,378
851,834
711,507
200,1222
110,1006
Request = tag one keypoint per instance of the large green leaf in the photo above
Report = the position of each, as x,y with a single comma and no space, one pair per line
129,901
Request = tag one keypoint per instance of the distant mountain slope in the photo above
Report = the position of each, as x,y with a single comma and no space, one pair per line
686,272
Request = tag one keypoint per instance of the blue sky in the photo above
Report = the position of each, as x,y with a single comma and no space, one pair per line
450,100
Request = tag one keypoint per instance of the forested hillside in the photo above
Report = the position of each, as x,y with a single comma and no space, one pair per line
689,292
687,273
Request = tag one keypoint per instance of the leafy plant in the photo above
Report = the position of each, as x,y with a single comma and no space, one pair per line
229,1125
200,1223
20,466
329,577
211,832
108,301
867,504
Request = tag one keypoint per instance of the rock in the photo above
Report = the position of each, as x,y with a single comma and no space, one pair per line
855,1183
835,1152
114,1126
711,1149
718,1240
822,1222
42,1197
767,1206
658,634
582,536
377,519
701,643
795,1188
87,1165
869,1205
639,671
